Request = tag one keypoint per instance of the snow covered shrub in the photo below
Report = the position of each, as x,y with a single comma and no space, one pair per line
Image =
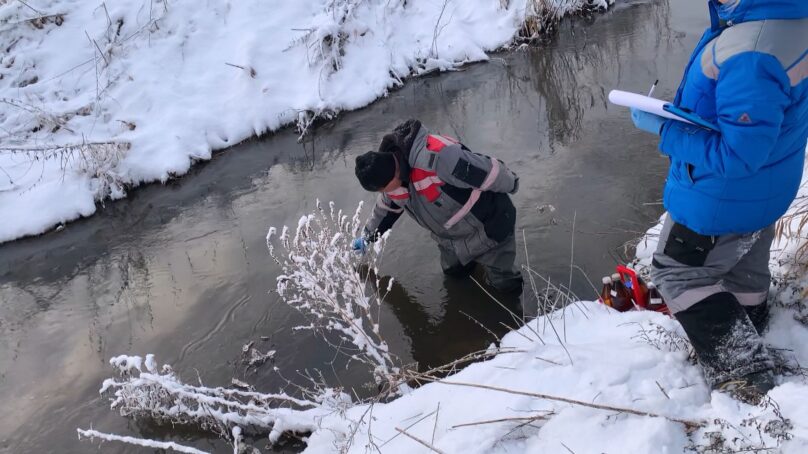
323,278
794,226
320,277
762,429
325,40
542,16
328,33
145,391
98,160
46,125
664,339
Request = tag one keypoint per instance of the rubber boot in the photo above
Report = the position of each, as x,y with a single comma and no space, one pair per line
759,315
750,388
458,270
728,346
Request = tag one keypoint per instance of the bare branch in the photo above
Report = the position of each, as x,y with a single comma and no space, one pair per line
690,425
404,432
517,418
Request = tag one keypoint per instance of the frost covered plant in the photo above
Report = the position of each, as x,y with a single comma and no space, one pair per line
325,41
763,429
542,16
320,277
98,160
330,30
789,285
662,338
793,227
145,391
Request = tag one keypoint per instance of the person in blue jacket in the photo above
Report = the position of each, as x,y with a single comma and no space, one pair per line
727,187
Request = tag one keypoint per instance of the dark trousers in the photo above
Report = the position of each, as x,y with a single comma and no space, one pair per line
498,263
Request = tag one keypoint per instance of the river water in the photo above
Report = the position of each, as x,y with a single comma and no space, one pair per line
181,270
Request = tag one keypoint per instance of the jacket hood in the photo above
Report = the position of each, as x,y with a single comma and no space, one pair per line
399,142
738,11
402,137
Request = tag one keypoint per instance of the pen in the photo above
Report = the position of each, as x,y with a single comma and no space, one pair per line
651,92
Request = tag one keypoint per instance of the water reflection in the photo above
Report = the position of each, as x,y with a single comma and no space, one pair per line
463,325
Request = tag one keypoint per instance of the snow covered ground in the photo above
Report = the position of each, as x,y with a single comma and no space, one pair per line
97,97
613,364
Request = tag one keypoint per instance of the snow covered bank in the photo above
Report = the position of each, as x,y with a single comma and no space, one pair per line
632,360
97,97
523,400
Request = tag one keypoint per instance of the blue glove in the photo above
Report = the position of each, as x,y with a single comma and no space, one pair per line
359,246
648,122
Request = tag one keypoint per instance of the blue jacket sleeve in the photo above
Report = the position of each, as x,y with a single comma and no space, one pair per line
751,98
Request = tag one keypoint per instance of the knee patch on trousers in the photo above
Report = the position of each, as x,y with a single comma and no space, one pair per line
688,247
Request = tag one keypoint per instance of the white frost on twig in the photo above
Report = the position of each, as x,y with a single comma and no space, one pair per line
320,277
145,442
163,397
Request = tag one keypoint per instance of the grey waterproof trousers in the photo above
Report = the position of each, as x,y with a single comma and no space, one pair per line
688,273
711,284
498,263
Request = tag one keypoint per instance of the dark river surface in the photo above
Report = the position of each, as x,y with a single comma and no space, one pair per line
181,270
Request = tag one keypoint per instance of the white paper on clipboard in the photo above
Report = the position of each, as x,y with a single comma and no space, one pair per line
661,108
644,103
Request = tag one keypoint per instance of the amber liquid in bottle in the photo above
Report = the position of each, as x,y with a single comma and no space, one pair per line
607,291
621,297
655,302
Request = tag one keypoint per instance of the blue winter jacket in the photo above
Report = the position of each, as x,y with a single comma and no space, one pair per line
748,76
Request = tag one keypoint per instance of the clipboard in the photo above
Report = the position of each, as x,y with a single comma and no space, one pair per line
659,107
690,117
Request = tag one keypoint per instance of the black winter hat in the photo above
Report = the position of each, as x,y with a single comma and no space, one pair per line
375,170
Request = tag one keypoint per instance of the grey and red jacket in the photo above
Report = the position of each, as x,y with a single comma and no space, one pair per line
459,196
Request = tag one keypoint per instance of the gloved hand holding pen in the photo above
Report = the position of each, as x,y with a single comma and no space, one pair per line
647,121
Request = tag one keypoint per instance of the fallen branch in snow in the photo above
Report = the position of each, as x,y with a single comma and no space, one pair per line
100,52
147,392
413,437
96,159
30,7
168,445
55,148
250,70
689,425
43,118
452,367
39,22
528,419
